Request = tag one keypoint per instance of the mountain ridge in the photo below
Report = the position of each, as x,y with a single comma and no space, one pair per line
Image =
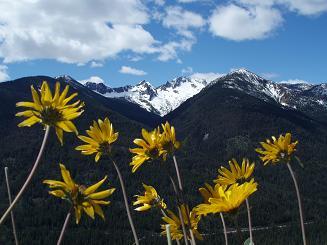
167,97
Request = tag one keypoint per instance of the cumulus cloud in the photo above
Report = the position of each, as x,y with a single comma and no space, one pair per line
93,79
132,71
209,76
4,73
303,7
244,23
72,31
170,49
182,20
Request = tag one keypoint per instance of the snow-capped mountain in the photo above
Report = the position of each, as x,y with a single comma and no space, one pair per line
309,98
160,100
305,97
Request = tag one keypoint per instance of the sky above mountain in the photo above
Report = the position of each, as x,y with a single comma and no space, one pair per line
125,41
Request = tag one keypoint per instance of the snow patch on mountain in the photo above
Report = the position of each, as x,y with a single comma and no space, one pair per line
160,100
163,99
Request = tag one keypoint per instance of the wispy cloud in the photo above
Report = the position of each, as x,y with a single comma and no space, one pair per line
269,75
132,71
209,76
96,64
4,73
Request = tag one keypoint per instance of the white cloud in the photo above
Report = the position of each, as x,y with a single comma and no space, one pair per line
132,71
169,50
187,71
209,76
96,64
159,2
244,23
75,31
187,1
269,75
93,79
306,7
182,20
303,7
4,73
294,81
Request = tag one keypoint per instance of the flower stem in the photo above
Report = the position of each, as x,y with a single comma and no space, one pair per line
64,228
179,210
249,218
178,174
192,237
183,225
168,235
11,213
299,203
224,226
126,203
20,193
181,191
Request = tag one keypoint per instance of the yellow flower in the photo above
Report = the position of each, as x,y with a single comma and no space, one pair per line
176,224
230,199
149,148
149,200
102,135
279,150
237,174
82,198
168,139
51,110
208,191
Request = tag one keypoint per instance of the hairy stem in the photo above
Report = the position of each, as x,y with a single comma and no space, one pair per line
126,203
20,193
249,218
224,226
299,203
11,213
64,228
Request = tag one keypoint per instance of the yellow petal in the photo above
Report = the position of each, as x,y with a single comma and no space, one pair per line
101,194
94,187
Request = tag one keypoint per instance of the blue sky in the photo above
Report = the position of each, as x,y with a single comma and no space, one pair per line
125,41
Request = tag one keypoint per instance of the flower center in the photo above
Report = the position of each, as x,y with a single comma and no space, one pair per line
50,116
282,154
153,152
105,148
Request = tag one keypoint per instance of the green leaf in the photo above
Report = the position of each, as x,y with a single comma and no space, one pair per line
299,161
248,242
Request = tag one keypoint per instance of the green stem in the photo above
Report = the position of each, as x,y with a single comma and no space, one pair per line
126,203
299,203
168,235
29,178
64,227
249,219
224,226
11,213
